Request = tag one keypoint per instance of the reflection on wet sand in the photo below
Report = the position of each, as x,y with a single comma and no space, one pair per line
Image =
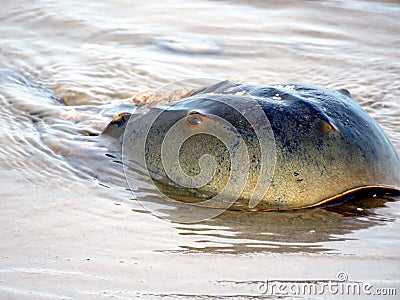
303,231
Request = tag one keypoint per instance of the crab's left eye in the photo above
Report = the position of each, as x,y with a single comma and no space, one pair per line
194,118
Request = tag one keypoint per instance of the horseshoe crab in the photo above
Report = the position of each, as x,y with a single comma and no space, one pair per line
325,146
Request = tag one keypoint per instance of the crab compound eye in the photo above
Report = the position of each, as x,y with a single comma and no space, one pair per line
194,118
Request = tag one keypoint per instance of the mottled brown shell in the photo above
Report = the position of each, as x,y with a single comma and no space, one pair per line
326,146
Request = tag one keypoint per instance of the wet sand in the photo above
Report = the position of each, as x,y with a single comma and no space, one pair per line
70,249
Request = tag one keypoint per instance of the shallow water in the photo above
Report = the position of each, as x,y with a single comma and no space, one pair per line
69,227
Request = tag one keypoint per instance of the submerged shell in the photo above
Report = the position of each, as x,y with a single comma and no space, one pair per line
326,145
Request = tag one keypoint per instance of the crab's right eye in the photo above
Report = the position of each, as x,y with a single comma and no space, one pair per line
194,118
